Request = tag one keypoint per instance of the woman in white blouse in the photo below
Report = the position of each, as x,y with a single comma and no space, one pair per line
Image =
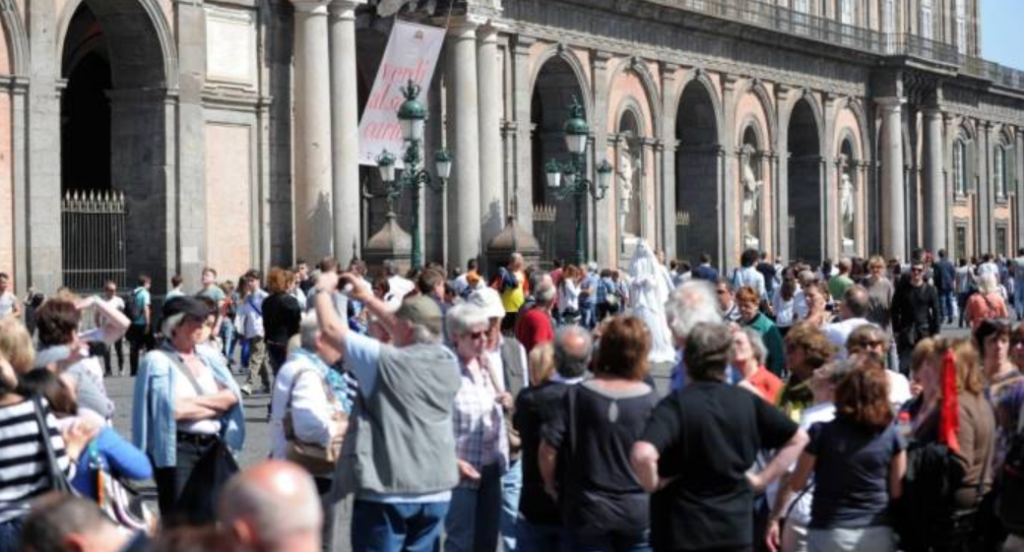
569,294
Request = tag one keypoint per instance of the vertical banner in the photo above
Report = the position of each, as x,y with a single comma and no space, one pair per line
411,54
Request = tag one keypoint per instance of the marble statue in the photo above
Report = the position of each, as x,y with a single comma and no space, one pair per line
847,207
751,205
625,172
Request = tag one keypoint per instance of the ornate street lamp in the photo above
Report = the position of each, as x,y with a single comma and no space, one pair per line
412,116
573,172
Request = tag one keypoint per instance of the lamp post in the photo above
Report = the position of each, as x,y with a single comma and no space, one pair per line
412,116
577,185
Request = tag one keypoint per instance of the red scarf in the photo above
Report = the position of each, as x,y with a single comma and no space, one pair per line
949,413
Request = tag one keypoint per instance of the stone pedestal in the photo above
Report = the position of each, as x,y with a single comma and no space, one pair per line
512,239
390,243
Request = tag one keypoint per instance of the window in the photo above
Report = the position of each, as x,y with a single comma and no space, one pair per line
1002,244
1000,172
960,241
960,168
889,23
927,20
961,26
846,15
802,6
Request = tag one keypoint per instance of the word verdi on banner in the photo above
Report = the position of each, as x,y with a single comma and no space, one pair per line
411,54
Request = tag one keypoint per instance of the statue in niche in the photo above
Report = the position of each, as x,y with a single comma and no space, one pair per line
626,170
847,208
751,204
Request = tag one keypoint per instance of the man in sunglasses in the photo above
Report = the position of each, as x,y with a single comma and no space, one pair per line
916,314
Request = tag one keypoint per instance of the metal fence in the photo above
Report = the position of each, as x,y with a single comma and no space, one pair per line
93,239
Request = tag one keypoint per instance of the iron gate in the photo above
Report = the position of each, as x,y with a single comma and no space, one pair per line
93,240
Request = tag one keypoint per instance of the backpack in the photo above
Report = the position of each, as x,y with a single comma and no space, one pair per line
1010,503
135,307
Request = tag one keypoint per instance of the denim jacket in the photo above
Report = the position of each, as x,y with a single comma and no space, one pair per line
154,429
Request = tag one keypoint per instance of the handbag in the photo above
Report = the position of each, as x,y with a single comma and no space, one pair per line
199,498
120,503
315,458
58,479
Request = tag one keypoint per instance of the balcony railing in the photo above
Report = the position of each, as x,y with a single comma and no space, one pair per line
829,31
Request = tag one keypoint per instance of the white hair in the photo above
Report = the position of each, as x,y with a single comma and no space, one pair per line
309,331
756,344
464,317
690,304
987,283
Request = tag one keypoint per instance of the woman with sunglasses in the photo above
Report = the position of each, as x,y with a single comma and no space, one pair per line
481,439
186,404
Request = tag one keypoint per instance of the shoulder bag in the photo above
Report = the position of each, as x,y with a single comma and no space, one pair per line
119,502
315,458
58,479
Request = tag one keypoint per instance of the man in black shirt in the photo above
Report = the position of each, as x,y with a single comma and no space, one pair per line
767,269
539,526
915,313
697,448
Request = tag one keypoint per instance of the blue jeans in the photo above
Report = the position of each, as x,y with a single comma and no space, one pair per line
598,540
946,304
380,527
227,335
474,516
531,537
10,535
511,488
589,314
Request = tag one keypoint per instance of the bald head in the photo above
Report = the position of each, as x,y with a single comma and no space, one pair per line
573,349
253,500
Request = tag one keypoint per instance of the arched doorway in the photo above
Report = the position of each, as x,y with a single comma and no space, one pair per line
698,212
805,174
114,145
752,179
555,90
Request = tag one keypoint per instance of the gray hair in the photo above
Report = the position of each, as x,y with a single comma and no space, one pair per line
464,317
544,290
756,344
570,364
56,517
309,331
708,351
690,304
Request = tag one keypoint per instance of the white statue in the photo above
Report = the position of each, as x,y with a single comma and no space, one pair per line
751,202
625,172
650,285
847,207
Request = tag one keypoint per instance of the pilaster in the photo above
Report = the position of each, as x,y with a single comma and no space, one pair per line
607,238
521,202
732,234
667,214
781,225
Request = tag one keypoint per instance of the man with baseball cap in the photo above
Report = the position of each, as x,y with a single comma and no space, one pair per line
399,453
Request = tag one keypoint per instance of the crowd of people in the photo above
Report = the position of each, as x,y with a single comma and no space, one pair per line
770,407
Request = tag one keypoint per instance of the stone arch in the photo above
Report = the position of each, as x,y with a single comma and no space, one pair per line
17,39
699,130
857,108
653,97
805,149
137,57
569,57
131,74
701,78
752,126
760,91
557,80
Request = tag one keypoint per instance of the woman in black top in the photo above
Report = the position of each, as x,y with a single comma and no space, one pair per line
584,452
281,315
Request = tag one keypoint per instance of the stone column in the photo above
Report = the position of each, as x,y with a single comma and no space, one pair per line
894,236
492,208
934,185
608,242
464,136
831,222
668,159
314,223
521,103
344,130
732,242
984,190
782,244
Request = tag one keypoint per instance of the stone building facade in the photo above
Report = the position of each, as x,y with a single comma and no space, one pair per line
805,128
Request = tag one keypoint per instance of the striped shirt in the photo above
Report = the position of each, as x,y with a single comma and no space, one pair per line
24,473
